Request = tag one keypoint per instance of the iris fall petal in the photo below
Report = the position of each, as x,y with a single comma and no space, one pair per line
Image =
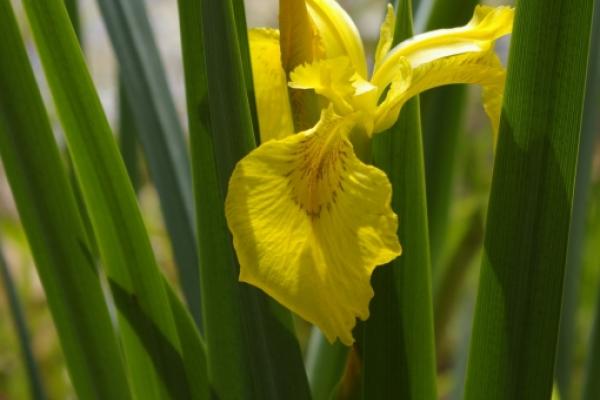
310,222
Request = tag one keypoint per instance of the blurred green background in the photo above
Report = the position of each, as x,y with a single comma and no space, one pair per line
455,272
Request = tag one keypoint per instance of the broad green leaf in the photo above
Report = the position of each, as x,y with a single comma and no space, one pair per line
160,132
36,386
49,214
581,199
515,328
398,344
151,342
252,351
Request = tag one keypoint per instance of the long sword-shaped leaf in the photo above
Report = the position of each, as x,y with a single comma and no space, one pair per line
239,13
73,11
193,348
36,386
442,112
148,329
447,288
591,384
54,229
160,132
589,134
251,348
398,344
519,300
128,139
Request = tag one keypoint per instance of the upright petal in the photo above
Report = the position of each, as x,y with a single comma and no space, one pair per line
310,222
386,36
487,25
270,85
338,33
482,69
300,42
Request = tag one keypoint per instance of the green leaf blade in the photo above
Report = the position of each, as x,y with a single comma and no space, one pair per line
55,231
252,351
147,325
517,313
36,386
443,115
581,202
160,133
398,343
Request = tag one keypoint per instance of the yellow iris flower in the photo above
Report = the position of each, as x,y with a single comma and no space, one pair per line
310,220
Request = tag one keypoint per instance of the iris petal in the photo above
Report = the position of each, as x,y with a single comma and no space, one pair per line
487,25
386,35
300,41
472,68
310,222
330,78
270,83
338,33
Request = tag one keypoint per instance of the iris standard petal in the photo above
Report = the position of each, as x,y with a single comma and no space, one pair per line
338,33
487,25
310,222
270,85
300,41
386,36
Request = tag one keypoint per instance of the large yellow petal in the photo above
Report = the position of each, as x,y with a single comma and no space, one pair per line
310,222
338,33
482,69
270,85
487,25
